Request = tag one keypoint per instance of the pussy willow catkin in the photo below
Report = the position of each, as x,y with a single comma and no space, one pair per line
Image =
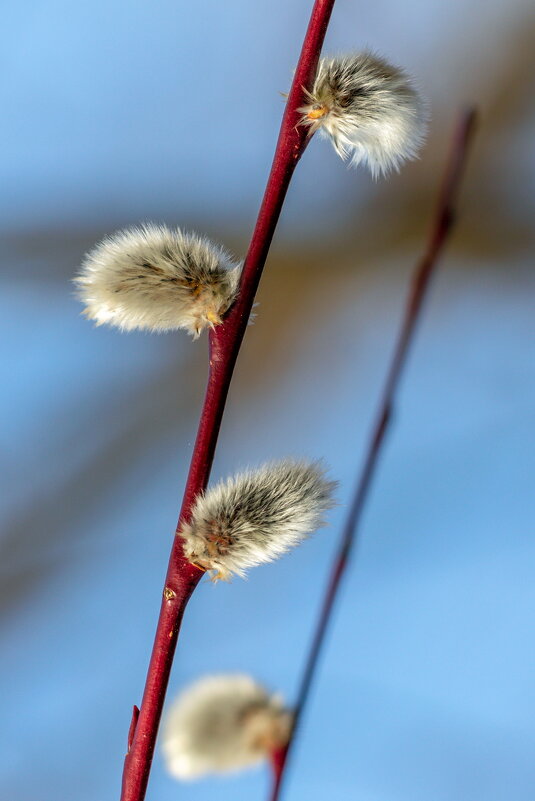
256,516
369,109
157,279
222,723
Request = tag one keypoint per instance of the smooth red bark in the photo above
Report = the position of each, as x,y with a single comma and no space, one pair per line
225,342
441,227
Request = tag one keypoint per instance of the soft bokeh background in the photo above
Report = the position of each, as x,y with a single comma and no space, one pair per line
117,112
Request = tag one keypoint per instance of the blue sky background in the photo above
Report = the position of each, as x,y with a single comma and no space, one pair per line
115,113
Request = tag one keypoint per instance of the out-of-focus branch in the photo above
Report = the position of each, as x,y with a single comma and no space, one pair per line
441,227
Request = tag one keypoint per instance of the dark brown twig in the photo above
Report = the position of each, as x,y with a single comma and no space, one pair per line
441,227
225,342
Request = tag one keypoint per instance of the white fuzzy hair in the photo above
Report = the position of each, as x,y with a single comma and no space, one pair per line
256,516
157,279
369,109
222,723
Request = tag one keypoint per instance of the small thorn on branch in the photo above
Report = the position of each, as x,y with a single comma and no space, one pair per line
133,724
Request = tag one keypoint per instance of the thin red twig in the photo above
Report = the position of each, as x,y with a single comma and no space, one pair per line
225,342
441,227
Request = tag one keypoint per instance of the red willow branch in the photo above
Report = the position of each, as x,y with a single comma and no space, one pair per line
225,342
441,227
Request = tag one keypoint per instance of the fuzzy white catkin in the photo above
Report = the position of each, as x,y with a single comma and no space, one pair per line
157,279
256,516
369,109
220,724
